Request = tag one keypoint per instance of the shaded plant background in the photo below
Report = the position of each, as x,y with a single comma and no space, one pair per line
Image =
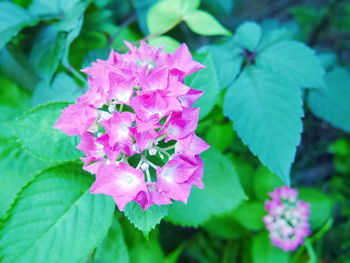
40,63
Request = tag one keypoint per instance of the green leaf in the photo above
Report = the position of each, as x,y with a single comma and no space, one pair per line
250,214
47,51
205,24
35,132
145,220
224,226
170,44
113,248
220,136
52,8
17,67
13,19
266,111
164,15
55,218
264,252
63,88
17,168
294,61
332,103
206,80
320,204
265,182
222,192
147,252
228,61
248,35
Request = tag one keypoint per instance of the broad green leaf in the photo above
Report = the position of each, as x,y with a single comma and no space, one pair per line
248,35
266,110
113,248
205,24
332,103
173,257
55,218
224,226
16,66
164,15
145,220
206,80
17,168
264,252
250,215
53,8
265,182
220,136
170,44
13,19
62,88
320,204
47,51
222,192
35,132
220,6
294,61
228,60
13,102
142,8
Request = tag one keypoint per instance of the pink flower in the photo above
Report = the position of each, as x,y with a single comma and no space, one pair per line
137,126
287,219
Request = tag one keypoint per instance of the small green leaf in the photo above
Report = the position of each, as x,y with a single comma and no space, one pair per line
250,215
222,192
147,252
170,44
264,252
56,219
294,61
145,220
331,103
320,204
113,247
205,24
35,132
248,35
164,15
13,19
206,80
266,110
224,226
47,51
265,182
63,88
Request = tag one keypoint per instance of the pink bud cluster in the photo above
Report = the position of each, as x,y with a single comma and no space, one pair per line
137,126
287,219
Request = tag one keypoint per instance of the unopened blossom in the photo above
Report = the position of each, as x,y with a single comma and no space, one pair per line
287,219
137,126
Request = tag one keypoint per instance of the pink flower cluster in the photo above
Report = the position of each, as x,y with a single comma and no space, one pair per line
137,126
287,219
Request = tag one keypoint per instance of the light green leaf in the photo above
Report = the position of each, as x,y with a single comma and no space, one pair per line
35,132
294,61
224,226
222,192
265,182
248,35
47,51
320,205
56,219
13,19
332,103
266,111
264,252
17,168
113,248
147,252
206,80
250,215
164,15
63,88
228,60
170,44
205,24
50,8
145,220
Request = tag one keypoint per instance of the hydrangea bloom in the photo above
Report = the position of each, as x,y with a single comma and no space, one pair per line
137,126
287,219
